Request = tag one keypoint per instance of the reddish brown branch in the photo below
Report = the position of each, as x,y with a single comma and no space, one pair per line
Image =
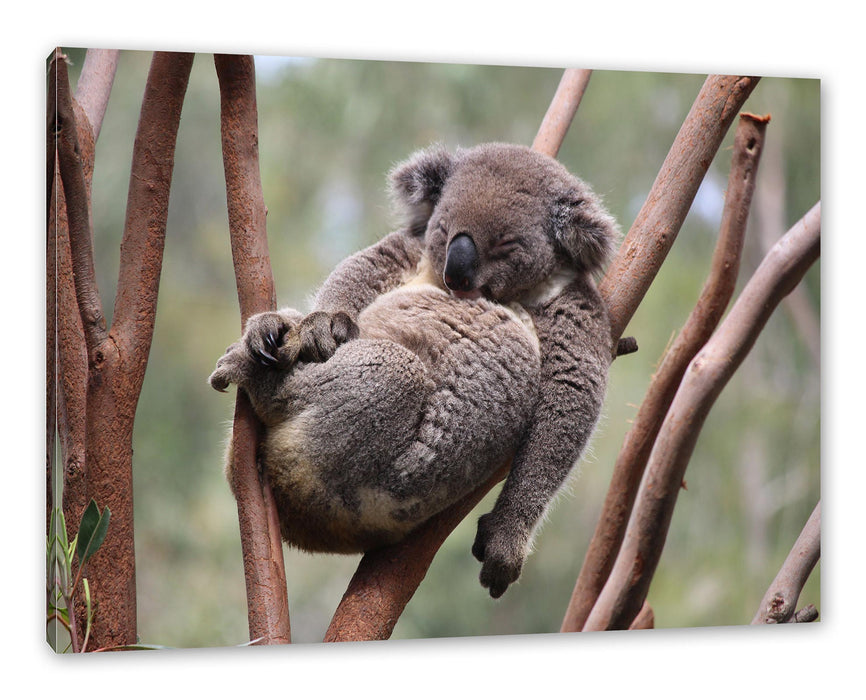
561,111
117,365
656,227
780,600
264,569
68,352
717,292
69,157
781,270
147,208
66,346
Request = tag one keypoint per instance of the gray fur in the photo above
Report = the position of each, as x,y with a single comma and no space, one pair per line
397,396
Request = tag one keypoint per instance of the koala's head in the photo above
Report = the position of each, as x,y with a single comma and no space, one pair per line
499,219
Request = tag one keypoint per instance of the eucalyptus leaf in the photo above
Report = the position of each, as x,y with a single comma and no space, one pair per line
92,531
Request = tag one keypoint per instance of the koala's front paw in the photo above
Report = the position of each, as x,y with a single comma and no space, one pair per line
317,337
229,368
263,337
501,550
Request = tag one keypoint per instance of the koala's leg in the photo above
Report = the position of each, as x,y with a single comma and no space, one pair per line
330,462
575,341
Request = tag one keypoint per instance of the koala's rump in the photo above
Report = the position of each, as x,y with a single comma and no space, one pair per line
403,421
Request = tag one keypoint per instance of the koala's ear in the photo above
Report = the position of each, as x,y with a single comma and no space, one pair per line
417,183
584,229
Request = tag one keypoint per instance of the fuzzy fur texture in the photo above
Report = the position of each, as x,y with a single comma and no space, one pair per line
397,395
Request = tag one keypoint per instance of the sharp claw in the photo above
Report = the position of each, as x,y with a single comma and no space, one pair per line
271,341
265,358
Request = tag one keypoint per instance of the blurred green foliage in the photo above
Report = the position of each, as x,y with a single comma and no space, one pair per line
329,132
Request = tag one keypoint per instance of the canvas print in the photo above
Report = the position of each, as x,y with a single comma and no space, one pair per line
349,350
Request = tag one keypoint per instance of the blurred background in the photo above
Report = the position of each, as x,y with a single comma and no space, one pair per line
329,132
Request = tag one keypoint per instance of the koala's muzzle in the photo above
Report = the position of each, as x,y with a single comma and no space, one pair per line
461,263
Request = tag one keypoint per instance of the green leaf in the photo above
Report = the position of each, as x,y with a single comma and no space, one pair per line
92,531
61,529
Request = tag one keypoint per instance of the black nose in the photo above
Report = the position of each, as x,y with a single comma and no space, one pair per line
461,262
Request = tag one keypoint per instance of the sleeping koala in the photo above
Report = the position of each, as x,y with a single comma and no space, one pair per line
470,336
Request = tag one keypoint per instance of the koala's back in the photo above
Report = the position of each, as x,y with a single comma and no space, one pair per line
403,421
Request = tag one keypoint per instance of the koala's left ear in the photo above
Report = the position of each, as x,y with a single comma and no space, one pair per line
584,229
417,183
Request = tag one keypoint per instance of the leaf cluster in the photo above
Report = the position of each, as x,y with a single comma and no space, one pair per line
63,577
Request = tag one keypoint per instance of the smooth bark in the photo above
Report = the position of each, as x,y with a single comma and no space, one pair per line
561,111
656,227
780,600
714,298
781,270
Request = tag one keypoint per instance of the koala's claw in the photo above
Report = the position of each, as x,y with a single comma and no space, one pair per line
266,355
501,556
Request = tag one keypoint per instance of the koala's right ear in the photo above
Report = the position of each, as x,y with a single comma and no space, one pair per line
417,183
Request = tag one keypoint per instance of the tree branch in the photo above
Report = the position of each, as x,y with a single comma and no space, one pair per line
94,85
117,366
633,456
147,210
780,600
264,569
656,227
77,207
561,111
67,354
626,588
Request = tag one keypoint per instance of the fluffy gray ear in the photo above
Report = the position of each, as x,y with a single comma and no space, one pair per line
584,229
417,183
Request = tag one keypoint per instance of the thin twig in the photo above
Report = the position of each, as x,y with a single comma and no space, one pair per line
561,111
264,569
780,600
714,298
708,373
807,614
656,227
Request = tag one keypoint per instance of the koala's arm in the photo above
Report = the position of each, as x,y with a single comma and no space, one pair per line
369,273
574,333
273,341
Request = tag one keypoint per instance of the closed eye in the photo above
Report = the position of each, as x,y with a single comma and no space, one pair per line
505,246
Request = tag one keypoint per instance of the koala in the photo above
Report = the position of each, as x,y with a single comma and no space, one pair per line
472,335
